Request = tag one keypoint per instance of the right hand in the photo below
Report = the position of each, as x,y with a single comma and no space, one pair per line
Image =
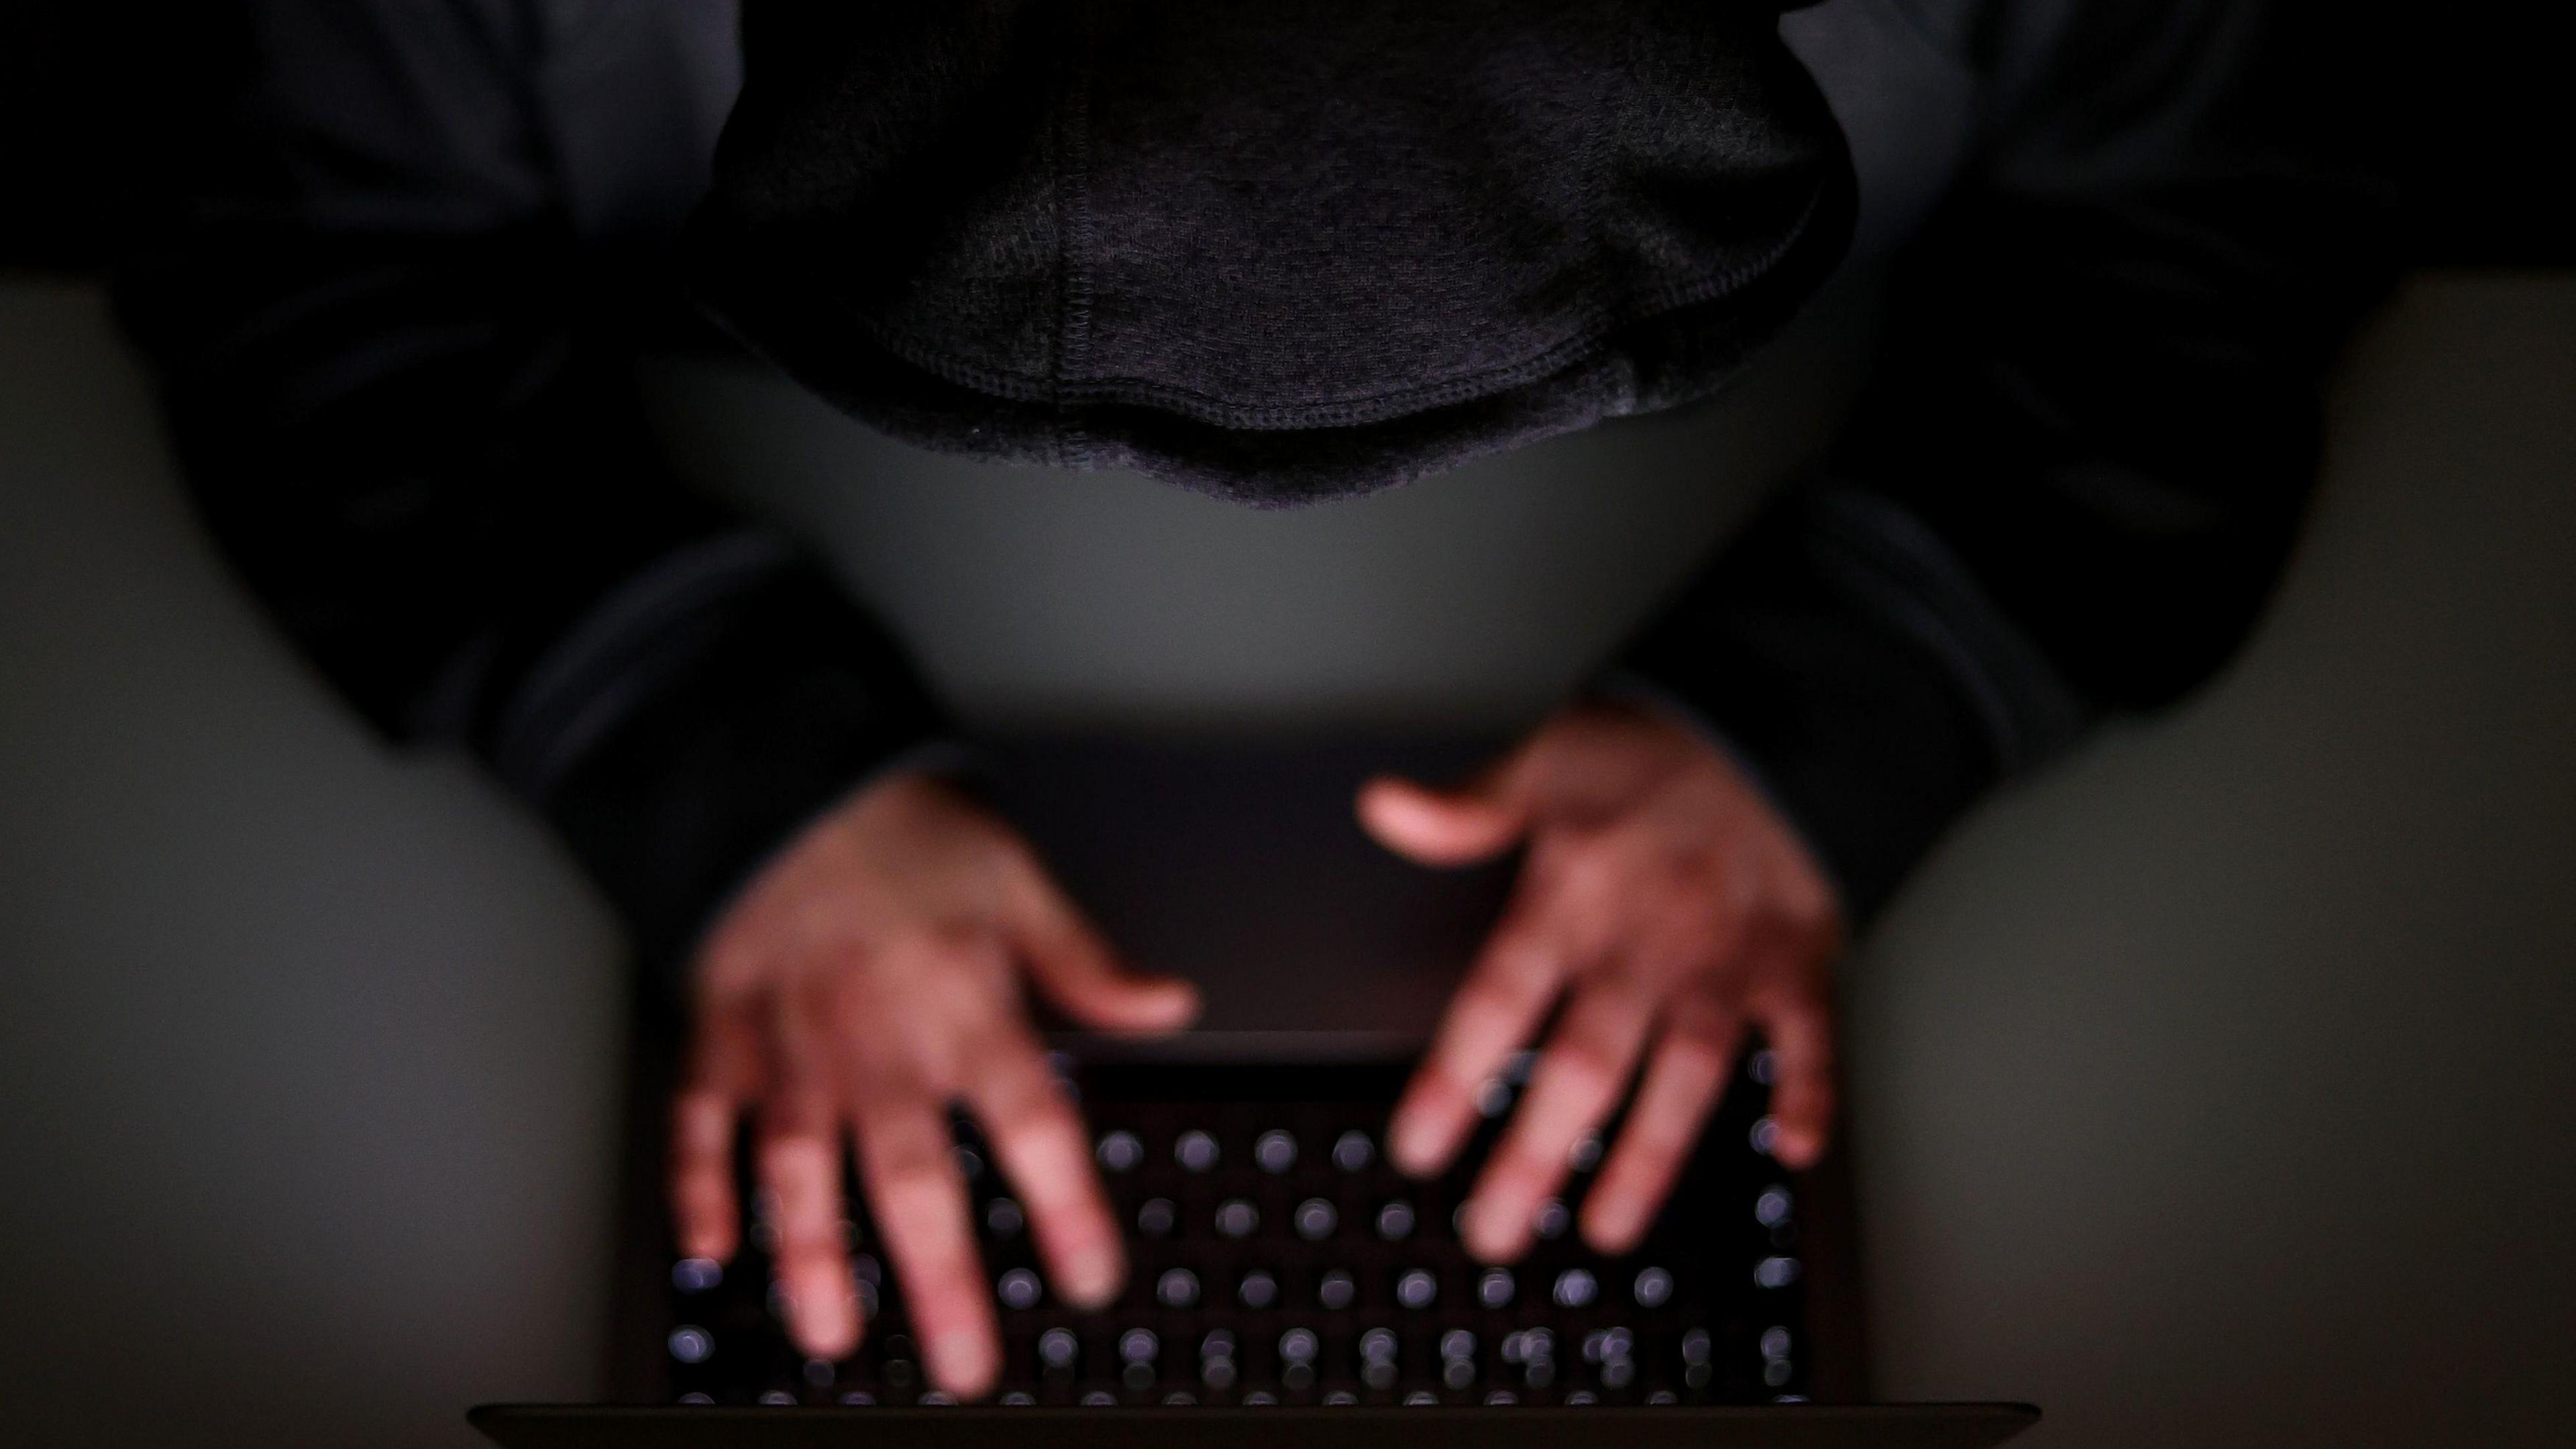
870,976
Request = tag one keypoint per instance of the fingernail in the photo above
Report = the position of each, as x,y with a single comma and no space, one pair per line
1409,1140
1489,1234
1091,1279
961,1362
1612,1229
828,1311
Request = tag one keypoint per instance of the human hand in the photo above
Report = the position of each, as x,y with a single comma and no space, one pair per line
869,976
1668,905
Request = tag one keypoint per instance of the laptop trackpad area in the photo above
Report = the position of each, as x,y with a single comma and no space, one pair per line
1242,867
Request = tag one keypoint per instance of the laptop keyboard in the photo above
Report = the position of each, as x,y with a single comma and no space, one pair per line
1277,1258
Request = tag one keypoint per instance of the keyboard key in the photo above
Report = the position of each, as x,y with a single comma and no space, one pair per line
1421,1396
1275,1152
1775,1372
1219,1343
1099,1399
1586,1154
1618,1373
1058,1348
1121,1152
1377,1346
1316,1219
1776,1272
1378,1376
1260,1398
1551,1220
1352,1151
1458,1373
1575,1288
1458,1343
1494,1288
1653,1288
1298,1345
1195,1151
1771,1209
1579,1398
692,1344
778,1398
1395,1220
696,1275
1335,1290
1765,1135
1340,1399
1493,1098
1177,1288
1236,1218
1775,1342
1018,1399
1257,1290
970,1163
1003,1218
1416,1289
1696,1346
1018,1288
1156,1217
1217,1373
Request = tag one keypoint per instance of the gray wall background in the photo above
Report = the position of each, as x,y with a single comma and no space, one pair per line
2217,1084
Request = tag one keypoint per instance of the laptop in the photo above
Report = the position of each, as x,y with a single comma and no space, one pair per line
1286,1284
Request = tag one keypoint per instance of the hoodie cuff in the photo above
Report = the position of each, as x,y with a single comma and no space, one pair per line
697,720
1860,677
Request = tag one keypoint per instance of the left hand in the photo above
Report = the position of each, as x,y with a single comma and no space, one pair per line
1668,904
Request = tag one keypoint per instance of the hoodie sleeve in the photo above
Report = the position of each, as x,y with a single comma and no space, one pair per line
393,367
2089,439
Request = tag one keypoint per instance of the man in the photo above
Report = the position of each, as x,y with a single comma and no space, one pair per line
1282,254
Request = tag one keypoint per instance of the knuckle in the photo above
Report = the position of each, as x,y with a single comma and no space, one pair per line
1585,1068
899,1155
794,1156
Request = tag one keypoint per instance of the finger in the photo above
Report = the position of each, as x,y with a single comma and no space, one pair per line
1075,969
1799,1031
918,1200
1431,827
1683,1081
1039,1140
1495,1010
724,1069
1576,1084
800,1170
1461,826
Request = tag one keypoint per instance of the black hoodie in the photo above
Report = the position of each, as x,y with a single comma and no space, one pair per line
1276,251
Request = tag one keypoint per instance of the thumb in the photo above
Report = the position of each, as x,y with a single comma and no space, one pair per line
1473,822
1075,969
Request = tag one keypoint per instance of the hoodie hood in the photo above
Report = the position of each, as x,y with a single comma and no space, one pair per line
1278,252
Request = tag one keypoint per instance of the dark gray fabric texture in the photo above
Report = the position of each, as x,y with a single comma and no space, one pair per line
1277,252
